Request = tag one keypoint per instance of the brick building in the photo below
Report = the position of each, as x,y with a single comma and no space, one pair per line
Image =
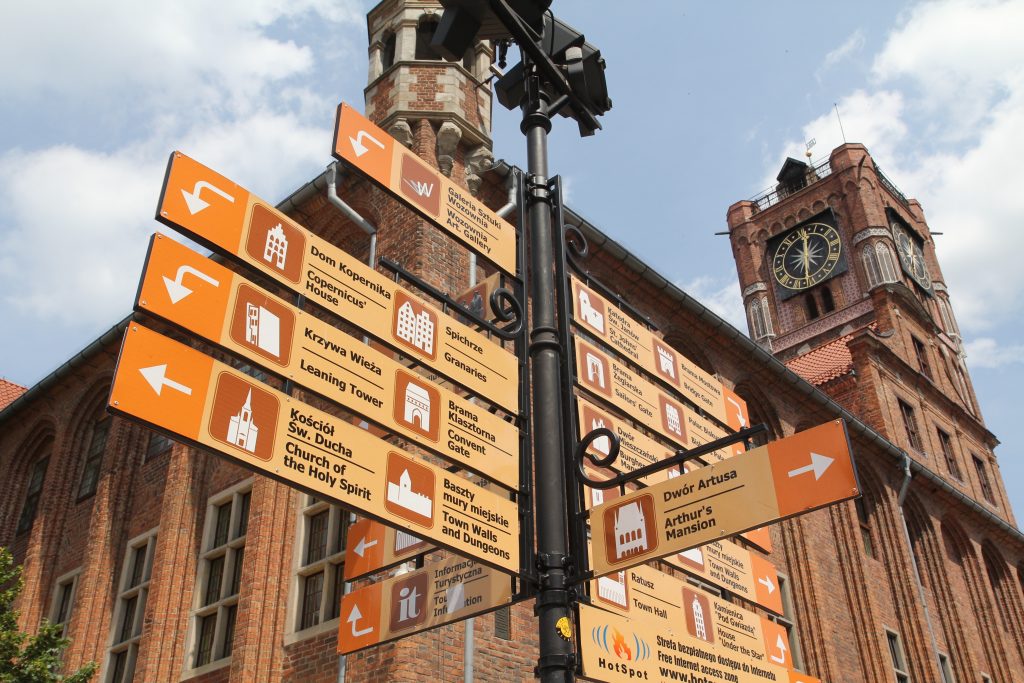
166,563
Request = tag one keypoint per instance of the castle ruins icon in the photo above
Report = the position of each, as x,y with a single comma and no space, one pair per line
401,494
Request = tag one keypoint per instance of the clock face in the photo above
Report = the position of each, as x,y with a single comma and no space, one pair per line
806,256
911,256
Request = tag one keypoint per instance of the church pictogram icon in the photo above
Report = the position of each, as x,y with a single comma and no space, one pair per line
244,417
242,431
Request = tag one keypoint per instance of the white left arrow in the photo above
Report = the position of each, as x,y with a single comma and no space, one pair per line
739,411
363,545
177,291
819,463
196,203
781,645
156,375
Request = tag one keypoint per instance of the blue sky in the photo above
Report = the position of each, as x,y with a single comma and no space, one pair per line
709,99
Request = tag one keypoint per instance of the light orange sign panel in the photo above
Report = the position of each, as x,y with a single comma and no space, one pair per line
617,649
441,593
639,344
229,311
614,382
644,593
734,568
372,546
790,476
371,151
224,216
172,387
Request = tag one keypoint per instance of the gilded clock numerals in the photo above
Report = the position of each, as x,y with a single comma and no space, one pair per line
911,256
806,256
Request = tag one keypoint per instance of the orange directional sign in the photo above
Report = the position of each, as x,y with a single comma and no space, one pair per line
616,649
172,387
372,546
666,602
215,211
797,474
440,593
224,308
371,151
614,382
639,344
734,568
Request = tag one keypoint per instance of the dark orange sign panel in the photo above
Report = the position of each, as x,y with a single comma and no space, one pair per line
215,211
797,474
172,387
371,151
372,546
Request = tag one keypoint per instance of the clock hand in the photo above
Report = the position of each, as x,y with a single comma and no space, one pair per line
807,258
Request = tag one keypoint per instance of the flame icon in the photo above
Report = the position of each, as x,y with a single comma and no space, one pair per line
620,647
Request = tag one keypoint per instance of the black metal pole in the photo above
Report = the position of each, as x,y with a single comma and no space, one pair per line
556,663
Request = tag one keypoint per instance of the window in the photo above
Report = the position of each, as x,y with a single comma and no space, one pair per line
158,445
503,623
865,526
760,319
64,600
870,259
220,575
126,626
885,262
899,659
878,264
788,622
947,452
321,576
35,489
388,55
983,482
812,307
424,33
94,457
828,303
910,424
922,357
945,669
948,321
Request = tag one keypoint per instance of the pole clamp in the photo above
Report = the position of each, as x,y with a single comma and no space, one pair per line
565,662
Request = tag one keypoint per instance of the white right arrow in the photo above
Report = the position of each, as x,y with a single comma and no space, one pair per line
363,545
156,375
196,203
767,583
177,291
819,463
354,616
357,143
781,645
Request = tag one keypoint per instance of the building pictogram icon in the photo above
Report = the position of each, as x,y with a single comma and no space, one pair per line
263,329
415,329
612,588
698,619
589,313
401,494
672,420
242,431
630,530
417,406
666,362
275,251
595,370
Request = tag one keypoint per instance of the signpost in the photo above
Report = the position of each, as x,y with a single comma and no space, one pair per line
614,382
797,474
371,546
639,344
177,389
443,592
669,603
218,213
368,149
734,568
617,649
231,312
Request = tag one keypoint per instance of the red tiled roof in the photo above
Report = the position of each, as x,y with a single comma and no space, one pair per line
826,362
8,392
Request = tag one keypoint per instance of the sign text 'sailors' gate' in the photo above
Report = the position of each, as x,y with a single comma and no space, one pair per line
177,389
797,474
371,151
229,311
224,216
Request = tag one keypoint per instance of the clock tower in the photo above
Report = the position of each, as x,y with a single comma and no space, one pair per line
836,259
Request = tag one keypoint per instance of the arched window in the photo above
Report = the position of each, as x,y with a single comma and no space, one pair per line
948,321
35,489
93,456
828,304
424,33
812,306
760,319
886,266
871,266
387,56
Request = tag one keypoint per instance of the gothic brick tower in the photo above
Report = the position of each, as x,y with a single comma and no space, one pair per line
841,282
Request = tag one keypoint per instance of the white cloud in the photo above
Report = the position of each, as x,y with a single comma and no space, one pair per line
985,352
850,47
721,295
